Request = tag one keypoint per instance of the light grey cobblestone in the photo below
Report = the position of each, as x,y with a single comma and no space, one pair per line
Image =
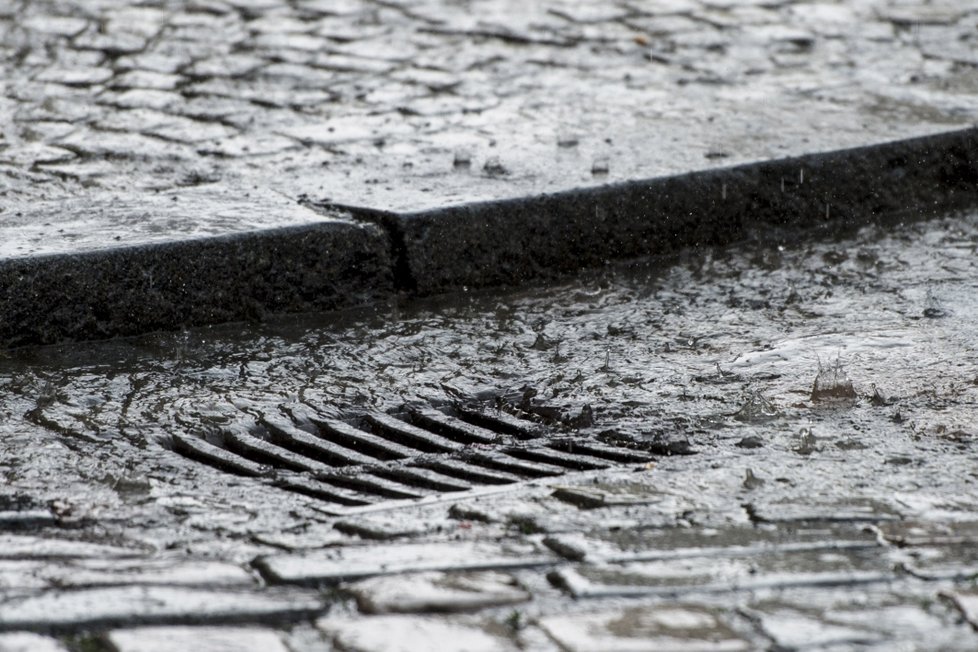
29,642
437,592
100,607
200,639
405,633
676,628
436,77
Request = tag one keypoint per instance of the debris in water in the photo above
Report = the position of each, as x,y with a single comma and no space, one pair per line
832,384
600,167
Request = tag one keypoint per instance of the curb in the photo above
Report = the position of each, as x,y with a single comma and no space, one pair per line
337,264
133,290
514,241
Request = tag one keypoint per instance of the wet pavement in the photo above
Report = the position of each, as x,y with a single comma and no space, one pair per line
410,105
817,397
765,441
151,152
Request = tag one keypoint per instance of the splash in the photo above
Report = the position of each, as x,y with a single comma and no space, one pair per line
832,383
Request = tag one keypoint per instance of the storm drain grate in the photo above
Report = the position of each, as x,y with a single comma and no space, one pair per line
377,457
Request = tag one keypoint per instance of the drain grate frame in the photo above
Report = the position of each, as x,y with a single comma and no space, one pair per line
373,459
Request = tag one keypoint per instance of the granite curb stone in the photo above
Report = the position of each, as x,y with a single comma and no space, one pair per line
340,262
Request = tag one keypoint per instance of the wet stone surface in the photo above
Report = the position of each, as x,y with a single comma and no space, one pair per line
816,538
172,164
403,107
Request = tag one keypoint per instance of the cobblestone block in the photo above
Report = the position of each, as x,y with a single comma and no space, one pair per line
381,528
404,633
437,592
945,562
122,266
899,617
672,628
353,562
826,567
929,533
82,573
967,603
791,630
649,544
199,639
134,605
29,642
14,546
868,511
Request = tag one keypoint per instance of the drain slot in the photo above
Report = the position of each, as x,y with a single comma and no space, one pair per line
512,465
253,447
289,436
372,484
201,451
343,434
323,491
405,433
423,478
500,421
469,472
453,428
621,455
558,458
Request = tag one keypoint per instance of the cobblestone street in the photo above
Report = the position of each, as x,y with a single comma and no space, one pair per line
800,433
402,105
749,424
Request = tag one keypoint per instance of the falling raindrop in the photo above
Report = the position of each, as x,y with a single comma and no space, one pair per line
723,191
494,167
801,177
567,140
463,159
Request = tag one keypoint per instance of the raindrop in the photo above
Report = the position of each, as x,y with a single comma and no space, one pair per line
493,166
751,481
807,443
463,159
567,140
801,177
756,409
723,191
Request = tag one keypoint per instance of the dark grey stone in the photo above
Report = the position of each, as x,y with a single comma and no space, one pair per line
513,241
112,286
